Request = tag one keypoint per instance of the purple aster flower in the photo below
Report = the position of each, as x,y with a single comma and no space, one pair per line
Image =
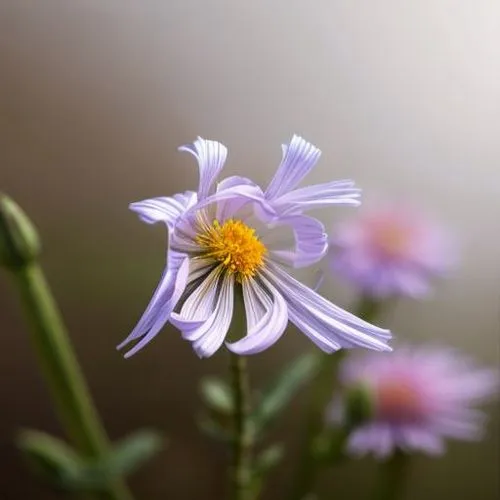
224,237
391,250
419,396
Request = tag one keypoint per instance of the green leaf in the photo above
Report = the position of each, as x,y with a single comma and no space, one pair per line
217,395
283,389
49,457
264,463
124,458
61,465
213,430
268,459
133,451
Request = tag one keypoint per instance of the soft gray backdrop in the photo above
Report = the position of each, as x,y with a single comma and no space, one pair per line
95,97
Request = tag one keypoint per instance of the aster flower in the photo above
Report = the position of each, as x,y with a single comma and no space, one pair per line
391,250
220,239
419,396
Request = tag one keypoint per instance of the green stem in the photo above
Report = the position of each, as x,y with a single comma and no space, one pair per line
63,375
322,389
392,476
241,467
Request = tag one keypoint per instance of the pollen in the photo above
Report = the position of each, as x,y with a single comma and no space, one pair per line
235,246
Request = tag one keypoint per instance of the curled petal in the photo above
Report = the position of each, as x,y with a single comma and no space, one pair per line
329,326
233,193
267,317
215,329
161,306
164,209
198,308
211,156
311,241
299,157
318,196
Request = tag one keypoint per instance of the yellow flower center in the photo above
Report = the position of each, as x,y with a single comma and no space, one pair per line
235,245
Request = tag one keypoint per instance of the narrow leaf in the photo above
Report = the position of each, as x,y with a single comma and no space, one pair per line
50,457
283,389
217,395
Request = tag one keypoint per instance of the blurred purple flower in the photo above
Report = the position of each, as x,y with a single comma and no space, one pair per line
419,396
221,238
391,250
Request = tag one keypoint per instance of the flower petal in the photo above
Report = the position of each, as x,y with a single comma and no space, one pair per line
375,438
198,308
211,156
299,157
311,241
233,193
164,299
267,317
244,191
164,209
418,438
216,327
329,326
318,196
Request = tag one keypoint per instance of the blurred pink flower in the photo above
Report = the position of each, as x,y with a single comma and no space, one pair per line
391,250
418,396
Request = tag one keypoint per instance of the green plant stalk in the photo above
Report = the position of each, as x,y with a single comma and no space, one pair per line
322,388
62,372
241,466
391,478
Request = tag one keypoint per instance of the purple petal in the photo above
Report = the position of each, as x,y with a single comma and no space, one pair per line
199,307
267,318
215,329
311,242
418,438
318,196
237,191
161,306
164,209
299,157
211,156
241,192
329,326
376,438
468,427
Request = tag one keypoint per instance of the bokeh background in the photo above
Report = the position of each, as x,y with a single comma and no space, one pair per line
95,97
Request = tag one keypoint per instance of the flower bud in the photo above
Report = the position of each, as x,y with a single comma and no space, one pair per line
19,242
359,405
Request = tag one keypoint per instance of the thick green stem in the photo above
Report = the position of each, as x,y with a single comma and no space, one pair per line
392,477
241,467
63,375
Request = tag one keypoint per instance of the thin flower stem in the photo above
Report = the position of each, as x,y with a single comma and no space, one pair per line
241,467
322,388
392,476
63,375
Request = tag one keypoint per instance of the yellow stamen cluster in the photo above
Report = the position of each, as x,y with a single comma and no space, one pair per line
235,245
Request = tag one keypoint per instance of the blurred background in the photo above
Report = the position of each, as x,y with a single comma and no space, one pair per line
96,96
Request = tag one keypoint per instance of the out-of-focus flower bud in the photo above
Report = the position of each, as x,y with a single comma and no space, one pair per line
19,241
